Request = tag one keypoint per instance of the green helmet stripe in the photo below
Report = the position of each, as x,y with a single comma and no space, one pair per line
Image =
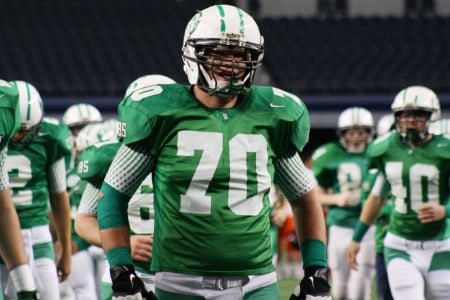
222,15
241,20
29,103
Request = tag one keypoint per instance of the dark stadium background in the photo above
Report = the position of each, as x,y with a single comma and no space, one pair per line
331,53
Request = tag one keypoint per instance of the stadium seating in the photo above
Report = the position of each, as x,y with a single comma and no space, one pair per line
70,48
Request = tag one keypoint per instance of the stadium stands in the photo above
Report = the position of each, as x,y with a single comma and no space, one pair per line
96,48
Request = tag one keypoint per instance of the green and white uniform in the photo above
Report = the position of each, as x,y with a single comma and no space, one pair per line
413,250
94,163
212,175
9,124
35,171
338,170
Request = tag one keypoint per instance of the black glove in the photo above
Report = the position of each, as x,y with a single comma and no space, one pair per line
125,283
28,295
314,286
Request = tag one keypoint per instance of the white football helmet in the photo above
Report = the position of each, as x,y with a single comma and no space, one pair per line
92,134
355,117
81,114
385,124
143,82
416,98
222,28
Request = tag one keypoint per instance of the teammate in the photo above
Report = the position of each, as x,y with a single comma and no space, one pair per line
76,117
384,126
12,249
415,165
92,168
37,175
215,147
339,168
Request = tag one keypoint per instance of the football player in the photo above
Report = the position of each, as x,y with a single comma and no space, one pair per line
339,168
12,249
37,175
414,167
215,148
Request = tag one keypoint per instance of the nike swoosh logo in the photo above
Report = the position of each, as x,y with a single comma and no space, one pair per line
1,96
131,279
312,281
441,145
275,105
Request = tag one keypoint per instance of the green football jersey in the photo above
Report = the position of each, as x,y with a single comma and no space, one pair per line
94,163
341,171
28,168
9,112
415,175
213,174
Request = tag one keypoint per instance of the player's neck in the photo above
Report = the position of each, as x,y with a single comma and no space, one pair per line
213,101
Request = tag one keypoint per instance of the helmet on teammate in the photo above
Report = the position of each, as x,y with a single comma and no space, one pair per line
385,124
355,118
142,83
210,36
420,101
31,113
92,134
81,114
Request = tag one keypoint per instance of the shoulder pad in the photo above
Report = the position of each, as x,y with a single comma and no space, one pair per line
381,144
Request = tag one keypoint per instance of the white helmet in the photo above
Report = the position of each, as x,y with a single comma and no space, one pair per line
385,124
355,117
81,114
416,98
143,82
221,28
92,134
31,111
441,126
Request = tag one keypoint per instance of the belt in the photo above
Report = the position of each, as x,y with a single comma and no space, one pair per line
223,283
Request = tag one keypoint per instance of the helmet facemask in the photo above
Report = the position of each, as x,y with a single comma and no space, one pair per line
358,142
211,63
414,135
27,135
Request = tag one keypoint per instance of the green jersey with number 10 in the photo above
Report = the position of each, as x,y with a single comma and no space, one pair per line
213,173
416,176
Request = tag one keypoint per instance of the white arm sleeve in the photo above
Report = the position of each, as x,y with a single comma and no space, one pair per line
57,177
89,200
130,167
380,187
4,179
292,177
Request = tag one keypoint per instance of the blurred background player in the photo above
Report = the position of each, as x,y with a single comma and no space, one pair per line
92,169
37,175
414,167
12,249
384,126
76,117
339,168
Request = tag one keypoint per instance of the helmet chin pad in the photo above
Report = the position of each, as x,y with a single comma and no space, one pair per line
222,88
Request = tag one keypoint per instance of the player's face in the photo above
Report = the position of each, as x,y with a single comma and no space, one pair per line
414,119
225,65
76,129
20,135
356,138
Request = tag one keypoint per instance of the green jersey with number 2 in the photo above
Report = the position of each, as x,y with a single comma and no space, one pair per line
214,169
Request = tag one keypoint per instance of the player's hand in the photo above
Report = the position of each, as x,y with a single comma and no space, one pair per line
431,212
28,295
352,251
126,285
314,286
141,247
